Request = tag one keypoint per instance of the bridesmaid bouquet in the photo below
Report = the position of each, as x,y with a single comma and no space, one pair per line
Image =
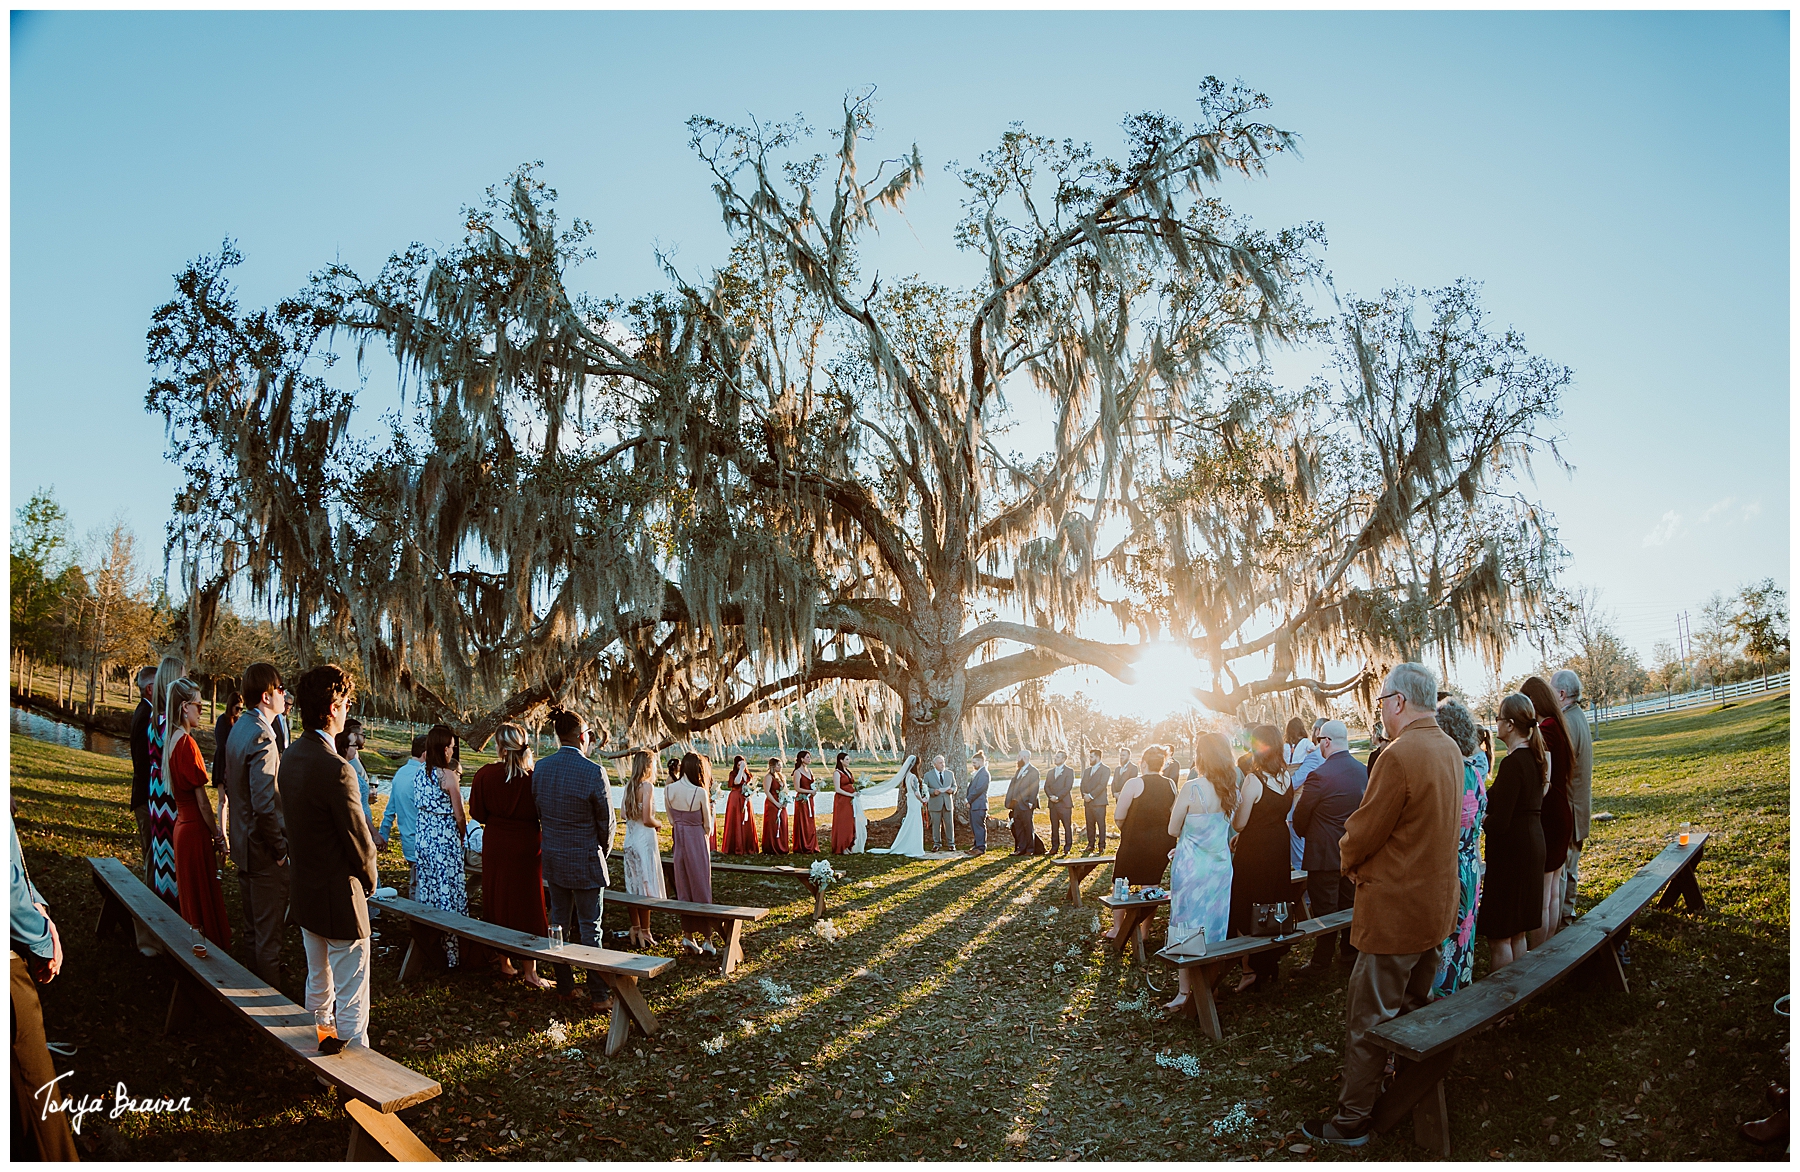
823,874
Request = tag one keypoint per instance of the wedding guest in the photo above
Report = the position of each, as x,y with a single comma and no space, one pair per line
1124,773
1143,819
1487,752
643,855
1400,850
690,809
512,872
198,840
234,708
1022,801
1095,781
1261,872
161,792
440,877
940,804
349,746
1456,966
1581,783
977,797
1059,795
575,811
806,827
1332,794
775,822
401,814
40,1132
1512,897
740,823
334,855
1302,755
1200,874
253,823
843,808
1559,814
139,741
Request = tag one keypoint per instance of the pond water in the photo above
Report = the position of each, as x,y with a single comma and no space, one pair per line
26,722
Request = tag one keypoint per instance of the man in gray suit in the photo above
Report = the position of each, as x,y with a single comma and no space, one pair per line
575,813
333,866
1581,781
1059,789
257,832
940,804
1094,784
1022,800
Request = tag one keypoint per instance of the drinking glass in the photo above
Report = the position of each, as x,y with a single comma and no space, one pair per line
325,1023
197,939
1686,828
556,937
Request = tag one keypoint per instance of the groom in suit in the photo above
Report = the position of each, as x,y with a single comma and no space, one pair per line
1022,800
1093,800
1059,788
940,805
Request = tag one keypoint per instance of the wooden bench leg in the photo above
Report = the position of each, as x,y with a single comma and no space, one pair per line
1685,886
1201,1002
732,954
1604,970
818,892
181,1006
1416,1082
425,950
374,1136
1431,1122
629,1008
113,916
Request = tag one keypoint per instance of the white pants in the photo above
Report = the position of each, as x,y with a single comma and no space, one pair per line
337,974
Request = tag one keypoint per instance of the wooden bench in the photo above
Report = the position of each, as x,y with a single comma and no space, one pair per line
1136,922
803,874
1201,1005
374,1085
1426,1041
620,970
1080,869
725,919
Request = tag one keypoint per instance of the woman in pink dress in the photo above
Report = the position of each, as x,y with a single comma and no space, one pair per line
740,823
689,802
198,840
775,828
843,809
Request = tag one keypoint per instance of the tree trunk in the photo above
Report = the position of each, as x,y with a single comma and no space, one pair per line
932,725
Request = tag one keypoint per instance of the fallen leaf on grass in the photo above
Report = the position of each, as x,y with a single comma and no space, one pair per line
1300,1149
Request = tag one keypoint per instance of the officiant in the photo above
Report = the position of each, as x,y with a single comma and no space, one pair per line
1022,800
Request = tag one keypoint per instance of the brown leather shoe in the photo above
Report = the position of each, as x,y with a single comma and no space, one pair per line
1764,1132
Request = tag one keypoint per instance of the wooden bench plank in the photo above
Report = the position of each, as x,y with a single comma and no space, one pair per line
1080,869
1202,1006
724,919
1134,925
364,1075
803,874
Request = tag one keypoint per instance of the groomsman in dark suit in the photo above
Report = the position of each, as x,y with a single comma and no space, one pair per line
1094,782
977,798
1059,788
1022,800
1124,773
254,826
333,853
576,818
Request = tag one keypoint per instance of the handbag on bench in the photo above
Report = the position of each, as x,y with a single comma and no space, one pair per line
1271,919
1194,944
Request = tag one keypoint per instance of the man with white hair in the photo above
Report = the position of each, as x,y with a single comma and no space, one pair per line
1399,848
1581,781
1332,794
1022,800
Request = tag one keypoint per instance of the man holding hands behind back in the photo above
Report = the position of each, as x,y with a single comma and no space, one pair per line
1059,789
940,804
333,856
575,812
1022,800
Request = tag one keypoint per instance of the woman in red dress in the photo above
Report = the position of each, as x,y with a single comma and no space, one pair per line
512,875
198,842
775,830
740,823
806,826
843,809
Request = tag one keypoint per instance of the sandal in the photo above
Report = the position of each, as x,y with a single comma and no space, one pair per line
1177,1007
688,946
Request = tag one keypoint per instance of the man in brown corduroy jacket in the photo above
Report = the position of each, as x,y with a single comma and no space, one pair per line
1399,848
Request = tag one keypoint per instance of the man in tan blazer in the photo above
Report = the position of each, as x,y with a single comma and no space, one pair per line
1399,848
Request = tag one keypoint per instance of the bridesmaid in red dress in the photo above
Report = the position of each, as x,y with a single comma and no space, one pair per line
806,826
843,809
512,874
198,841
740,823
775,829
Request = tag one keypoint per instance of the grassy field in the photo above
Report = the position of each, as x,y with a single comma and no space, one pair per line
964,1012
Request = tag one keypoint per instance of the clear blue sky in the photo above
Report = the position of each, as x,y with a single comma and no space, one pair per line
1618,180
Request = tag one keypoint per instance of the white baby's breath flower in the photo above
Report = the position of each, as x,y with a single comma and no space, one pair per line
557,1033
1185,1063
713,1044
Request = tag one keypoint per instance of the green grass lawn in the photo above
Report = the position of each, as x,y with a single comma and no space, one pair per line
966,1013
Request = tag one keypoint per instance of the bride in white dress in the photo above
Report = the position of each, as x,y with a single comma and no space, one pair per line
911,839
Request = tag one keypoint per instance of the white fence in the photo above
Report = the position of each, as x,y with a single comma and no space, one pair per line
1694,699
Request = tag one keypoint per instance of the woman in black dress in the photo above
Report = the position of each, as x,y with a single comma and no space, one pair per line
1559,815
1512,891
1143,817
1260,864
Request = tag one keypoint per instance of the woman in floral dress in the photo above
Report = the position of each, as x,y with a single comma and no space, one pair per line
1456,959
439,876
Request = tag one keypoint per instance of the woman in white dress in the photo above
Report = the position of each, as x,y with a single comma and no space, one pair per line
911,839
643,857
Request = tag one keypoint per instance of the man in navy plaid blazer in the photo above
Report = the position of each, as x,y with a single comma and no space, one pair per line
575,813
